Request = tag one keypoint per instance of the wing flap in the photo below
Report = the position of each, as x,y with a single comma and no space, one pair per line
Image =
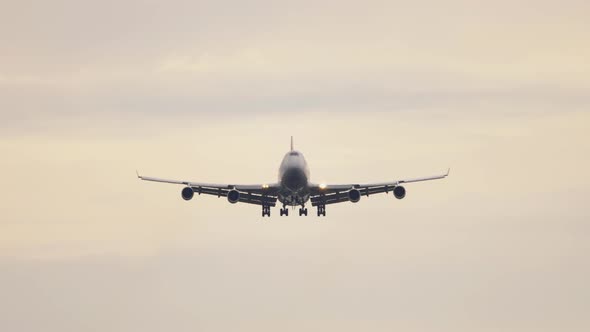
342,196
332,194
245,197
257,194
339,197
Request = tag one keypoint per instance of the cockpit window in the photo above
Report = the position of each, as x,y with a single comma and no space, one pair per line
294,153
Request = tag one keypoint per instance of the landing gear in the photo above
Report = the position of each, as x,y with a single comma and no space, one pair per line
322,210
266,211
302,211
284,212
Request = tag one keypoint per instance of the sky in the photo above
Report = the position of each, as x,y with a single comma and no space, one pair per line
211,91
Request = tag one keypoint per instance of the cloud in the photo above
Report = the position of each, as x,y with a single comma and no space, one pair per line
68,64
211,91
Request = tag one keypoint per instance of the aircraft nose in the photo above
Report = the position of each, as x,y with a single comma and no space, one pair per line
294,178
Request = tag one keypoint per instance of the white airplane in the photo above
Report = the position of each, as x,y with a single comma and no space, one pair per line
293,189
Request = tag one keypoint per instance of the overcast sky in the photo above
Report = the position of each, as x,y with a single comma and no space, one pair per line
211,91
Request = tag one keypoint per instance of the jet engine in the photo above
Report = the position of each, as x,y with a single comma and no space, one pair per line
354,195
399,192
233,196
187,193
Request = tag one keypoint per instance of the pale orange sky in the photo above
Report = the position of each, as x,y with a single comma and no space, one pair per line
372,91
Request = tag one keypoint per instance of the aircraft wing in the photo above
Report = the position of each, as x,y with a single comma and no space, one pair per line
258,194
338,193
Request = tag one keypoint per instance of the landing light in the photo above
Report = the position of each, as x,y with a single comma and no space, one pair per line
323,186
265,186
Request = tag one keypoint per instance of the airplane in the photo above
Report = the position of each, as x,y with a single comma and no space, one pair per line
293,189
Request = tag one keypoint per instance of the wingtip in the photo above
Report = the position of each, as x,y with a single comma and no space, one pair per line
448,171
138,176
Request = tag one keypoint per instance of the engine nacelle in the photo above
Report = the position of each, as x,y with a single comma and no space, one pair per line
187,193
399,192
233,196
354,195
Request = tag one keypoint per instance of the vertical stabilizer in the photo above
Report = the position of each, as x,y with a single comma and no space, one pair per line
291,143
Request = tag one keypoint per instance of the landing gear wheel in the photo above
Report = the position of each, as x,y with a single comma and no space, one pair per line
321,210
265,211
303,211
284,212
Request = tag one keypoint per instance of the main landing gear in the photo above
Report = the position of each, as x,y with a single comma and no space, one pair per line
284,211
322,210
266,211
303,211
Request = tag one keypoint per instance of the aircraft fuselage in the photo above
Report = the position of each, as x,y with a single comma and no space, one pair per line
294,179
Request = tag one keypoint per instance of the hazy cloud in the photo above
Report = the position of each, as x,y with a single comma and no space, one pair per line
211,91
